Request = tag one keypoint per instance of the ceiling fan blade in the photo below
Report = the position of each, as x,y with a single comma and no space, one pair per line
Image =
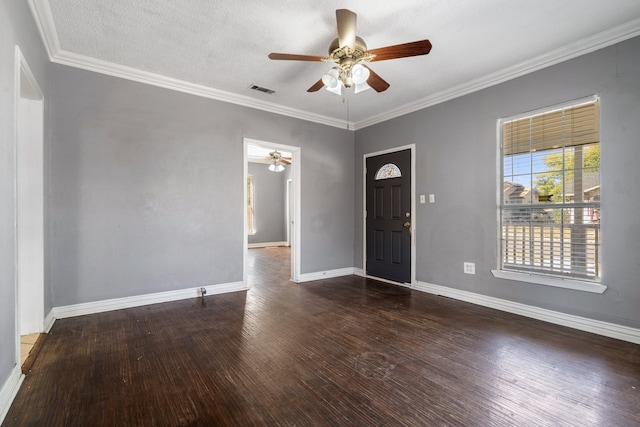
376,82
346,27
404,50
295,57
283,160
316,86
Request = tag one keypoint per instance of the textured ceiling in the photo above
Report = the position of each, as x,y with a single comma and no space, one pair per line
224,45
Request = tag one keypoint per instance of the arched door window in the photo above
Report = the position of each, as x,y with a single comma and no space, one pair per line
388,171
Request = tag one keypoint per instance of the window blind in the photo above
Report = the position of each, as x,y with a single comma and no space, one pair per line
566,127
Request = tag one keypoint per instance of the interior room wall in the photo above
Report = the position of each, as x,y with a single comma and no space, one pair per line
16,28
456,160
147,188
269,204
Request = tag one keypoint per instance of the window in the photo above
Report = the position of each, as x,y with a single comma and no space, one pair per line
388,171
250,208
550,196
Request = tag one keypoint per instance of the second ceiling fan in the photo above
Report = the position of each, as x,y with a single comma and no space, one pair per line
348,51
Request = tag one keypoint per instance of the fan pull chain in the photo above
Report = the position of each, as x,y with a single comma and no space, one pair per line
345,99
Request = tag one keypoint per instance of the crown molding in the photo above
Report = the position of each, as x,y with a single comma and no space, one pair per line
44,21
573,50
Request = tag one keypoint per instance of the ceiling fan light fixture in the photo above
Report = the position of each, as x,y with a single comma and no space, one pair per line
276,167
337,90
331,79
361,87
359,74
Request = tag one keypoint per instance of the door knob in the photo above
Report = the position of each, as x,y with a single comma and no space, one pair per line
407,224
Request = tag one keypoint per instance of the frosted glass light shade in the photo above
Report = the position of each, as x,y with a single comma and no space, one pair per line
337,90
361,87
276,167
360,74
330,80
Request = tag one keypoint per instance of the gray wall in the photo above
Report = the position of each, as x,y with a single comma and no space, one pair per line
456,153
141,203
16,28
269,204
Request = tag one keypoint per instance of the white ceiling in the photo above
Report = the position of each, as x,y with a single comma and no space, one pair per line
219,48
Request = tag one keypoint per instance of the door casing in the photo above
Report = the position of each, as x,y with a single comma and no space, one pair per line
29,201
295,200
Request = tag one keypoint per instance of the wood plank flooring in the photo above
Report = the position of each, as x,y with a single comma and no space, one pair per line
338,352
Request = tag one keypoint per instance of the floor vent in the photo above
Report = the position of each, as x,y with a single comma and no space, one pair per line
262,89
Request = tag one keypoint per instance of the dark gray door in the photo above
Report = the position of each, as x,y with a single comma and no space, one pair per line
389,216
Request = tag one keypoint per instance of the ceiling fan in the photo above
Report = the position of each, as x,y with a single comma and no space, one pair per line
277,160
348,51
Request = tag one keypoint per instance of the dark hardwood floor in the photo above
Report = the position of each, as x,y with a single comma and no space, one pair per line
338,352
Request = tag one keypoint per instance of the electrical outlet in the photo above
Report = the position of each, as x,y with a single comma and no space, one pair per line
422,198
432,198
469,268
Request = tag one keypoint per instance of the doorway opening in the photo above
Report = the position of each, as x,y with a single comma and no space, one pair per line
389,214
29,244
271,201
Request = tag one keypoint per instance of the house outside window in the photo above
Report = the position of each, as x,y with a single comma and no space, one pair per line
549,209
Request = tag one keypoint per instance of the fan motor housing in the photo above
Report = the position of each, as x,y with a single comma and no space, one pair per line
339,54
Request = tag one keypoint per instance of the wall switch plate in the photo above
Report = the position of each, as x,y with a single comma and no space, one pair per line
469,268
422,199
432,198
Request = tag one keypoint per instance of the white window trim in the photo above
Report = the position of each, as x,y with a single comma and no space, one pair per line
538,279
577,285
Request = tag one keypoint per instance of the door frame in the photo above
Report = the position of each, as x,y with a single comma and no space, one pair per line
295,199
412,148
288,207
29,273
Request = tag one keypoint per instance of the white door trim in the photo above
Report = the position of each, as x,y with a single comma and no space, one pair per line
29,200
411,147
297,205
288,208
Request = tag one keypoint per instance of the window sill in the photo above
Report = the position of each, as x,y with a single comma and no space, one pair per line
578,285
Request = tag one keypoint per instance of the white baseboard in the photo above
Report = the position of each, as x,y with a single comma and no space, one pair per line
49,320
328,274
9,390
266,245
360,272
606,329
139,300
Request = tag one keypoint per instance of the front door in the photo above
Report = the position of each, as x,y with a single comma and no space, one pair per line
389,216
